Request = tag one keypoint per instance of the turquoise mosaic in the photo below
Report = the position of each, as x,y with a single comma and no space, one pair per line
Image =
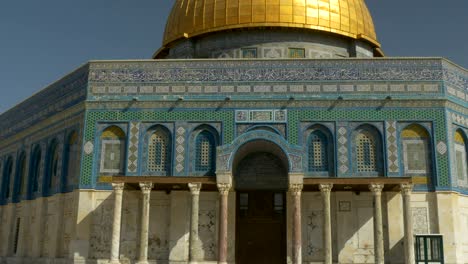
437,116
93,117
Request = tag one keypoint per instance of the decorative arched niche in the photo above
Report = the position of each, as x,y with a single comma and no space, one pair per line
267,145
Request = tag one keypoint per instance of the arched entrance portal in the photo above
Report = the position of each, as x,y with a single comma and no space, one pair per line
261,180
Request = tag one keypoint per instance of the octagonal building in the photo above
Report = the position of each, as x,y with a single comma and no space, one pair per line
261,132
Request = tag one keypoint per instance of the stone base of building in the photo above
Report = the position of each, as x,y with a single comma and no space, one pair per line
82,223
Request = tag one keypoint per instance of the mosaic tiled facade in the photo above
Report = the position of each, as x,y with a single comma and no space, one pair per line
149,127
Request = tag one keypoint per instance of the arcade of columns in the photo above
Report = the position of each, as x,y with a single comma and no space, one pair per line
295,191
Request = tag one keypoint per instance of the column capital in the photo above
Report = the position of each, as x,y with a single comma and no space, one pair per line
296,188
224,188
146,187
376,188
406,188
325,187
195,188
118,186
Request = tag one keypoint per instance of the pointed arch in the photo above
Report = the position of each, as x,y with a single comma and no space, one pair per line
416,149
112,150
367,150
159,150
204,146
461,156
320,148
21,175
52,167
71,161
35,169
7,177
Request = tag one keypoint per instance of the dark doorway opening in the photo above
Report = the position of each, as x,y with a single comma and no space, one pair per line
261,227
261,183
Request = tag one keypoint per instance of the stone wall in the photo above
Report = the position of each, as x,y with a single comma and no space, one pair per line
39,230
77,227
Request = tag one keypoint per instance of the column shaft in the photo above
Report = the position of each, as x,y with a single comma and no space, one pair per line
223,222
406,190
376,189
118,191
146,188
325,189
296,191
194,249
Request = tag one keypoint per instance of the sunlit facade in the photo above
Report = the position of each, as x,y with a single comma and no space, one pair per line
260,132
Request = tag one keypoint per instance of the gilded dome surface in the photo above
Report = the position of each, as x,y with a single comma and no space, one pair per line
350,18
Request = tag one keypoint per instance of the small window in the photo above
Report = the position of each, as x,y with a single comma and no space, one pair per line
54,168
415,161
112,150
22,175
296,53
205,152
460,155
72,164
17,231
318,152
429,249
366,153
35,169
158,152
7,174
416,152
112,161
249,53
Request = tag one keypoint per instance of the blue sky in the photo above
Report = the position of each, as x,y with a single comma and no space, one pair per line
43,40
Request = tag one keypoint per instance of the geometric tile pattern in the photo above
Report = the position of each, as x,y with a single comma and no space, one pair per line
420,221
392,147
441,148
343,161
180,149
357,115
459,119
132,162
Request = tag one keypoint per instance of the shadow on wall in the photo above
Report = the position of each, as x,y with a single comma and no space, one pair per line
168,237
353,239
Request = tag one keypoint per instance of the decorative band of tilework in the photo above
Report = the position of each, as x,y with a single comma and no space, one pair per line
261,116
278,70
132,162
392,147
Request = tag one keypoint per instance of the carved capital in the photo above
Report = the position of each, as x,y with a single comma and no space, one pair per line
195,188
325,187
224,188
376,188
406,188
146,187
295,188
118,186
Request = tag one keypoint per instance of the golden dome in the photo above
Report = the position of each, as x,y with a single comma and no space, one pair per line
349,18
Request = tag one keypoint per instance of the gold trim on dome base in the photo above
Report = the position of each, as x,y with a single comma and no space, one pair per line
349,18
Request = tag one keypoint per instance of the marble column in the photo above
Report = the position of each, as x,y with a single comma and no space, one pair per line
223,222
146,188
325,190
376,189
118,192
406,189
296,191
195,245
